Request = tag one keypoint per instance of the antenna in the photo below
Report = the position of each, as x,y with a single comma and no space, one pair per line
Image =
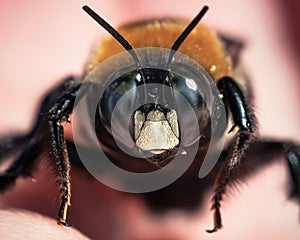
180,40
113,32
186,32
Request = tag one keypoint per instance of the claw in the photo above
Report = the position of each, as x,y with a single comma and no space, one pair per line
63,222
217,221
211,231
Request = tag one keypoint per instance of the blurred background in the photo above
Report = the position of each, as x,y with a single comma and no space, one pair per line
42,42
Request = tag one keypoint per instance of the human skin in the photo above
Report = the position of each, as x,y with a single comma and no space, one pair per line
37,50
19,224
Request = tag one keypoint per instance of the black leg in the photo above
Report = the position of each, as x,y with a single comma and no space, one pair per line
264,151
57,114
292,153
23,165
8,145
55,108
244,122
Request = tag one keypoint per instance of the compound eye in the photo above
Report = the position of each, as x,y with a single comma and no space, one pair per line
125,84
195,107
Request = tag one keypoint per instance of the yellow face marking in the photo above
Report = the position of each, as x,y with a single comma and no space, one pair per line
156,133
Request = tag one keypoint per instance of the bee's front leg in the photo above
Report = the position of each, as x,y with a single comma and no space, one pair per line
59,113
244,121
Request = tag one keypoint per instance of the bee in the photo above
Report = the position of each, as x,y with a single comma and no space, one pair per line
154,92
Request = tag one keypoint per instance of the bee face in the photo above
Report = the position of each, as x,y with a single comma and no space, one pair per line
155,112
159,120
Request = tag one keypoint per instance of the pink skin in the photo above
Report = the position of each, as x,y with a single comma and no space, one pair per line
43,42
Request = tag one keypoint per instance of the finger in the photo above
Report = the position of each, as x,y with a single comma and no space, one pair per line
20,224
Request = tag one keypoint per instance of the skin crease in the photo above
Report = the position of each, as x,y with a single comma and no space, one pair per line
32,60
